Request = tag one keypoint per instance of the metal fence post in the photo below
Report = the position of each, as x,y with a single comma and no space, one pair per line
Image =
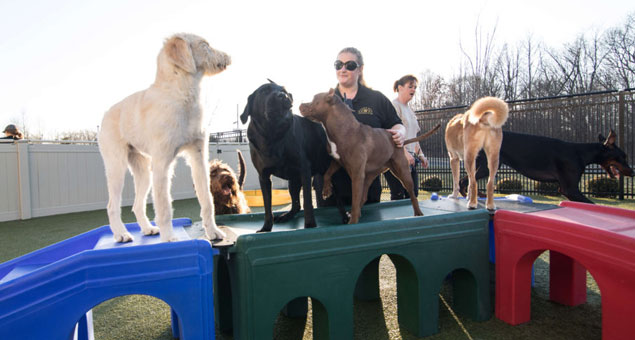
620,135
24,179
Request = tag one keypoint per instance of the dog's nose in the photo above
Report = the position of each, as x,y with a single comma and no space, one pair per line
284,96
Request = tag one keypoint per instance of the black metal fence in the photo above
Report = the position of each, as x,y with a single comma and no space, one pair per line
235,136
575,118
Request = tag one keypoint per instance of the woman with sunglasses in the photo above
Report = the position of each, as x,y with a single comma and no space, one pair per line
406,87
369,107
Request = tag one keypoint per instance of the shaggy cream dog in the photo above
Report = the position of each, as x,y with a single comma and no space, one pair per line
147,130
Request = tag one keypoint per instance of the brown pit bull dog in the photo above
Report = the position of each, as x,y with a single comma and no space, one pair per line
363,151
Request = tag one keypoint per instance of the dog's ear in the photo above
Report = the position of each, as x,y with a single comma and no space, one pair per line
179,52
247,111
610,140
330,97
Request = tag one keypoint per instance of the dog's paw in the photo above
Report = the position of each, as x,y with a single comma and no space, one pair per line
123,238
327,191
284,217
491,207
452,195
471,206
346,218
169,238
152,230
216,234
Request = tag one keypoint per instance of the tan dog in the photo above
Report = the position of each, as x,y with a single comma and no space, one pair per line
466,134
147,130
226,188
364,152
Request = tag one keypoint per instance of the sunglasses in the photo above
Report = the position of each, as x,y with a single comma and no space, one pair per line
351,65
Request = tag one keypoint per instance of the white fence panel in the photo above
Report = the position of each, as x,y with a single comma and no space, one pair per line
9,197
50,179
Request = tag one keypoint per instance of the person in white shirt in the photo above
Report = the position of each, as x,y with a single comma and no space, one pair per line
406,87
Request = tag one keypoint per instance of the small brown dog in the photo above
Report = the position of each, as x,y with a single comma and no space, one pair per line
226,188
364,152
466,134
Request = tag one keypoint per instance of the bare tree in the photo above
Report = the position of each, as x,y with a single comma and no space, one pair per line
508,69
577,66
592,59
481,76
591,62
432,91
620,58
532,54
77,135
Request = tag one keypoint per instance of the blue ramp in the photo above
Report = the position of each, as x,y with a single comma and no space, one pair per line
45,293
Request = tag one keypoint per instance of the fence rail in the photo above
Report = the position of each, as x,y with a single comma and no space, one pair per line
577,118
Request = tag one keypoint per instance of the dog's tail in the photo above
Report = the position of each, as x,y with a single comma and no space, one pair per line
491,111
423,136
243,169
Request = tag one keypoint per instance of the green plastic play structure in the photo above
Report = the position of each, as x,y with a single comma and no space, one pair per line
261,275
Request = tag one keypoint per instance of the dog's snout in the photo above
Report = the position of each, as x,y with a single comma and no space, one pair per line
284,97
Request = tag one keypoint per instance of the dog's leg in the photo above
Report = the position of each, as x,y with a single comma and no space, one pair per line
470,167
142,173
569,189
492,165
295,184
455,166
309,217
339,202
481,172
161,178
327,187
401,170
198,161
115,164
357,181
265,188
368,181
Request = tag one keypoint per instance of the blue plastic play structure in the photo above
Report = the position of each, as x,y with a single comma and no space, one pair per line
47,293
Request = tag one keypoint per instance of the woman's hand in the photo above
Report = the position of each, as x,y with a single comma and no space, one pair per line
398,132
424,160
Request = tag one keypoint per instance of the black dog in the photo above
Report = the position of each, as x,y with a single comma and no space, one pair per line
552,160
286,146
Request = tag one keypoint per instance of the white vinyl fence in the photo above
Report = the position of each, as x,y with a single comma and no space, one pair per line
38,179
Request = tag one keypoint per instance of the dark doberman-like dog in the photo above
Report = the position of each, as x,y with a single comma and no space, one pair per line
286,146
553,160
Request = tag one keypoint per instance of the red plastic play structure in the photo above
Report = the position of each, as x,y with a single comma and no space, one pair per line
579,237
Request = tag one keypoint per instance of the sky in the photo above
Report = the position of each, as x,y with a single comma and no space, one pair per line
64,63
